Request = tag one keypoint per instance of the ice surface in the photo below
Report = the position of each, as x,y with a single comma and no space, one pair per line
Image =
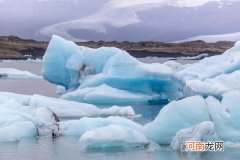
112,76
89,70
67,109
214,86
18,121
200,132
226,115
214,66
79,127
37,118
10,73
175,116
104,94
113,136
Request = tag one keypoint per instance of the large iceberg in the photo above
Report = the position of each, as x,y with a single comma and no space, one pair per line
175,116
211,67
91,71
194,110
36,115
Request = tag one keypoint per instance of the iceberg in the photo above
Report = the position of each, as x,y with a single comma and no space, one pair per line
37,115
211,67
213,86
113,136
225,115
175,116
191,111
104,94
79,127
68,109
88,71
200,132
11,73
19,122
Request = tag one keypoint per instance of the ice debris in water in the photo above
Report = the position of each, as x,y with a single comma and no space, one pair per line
11,73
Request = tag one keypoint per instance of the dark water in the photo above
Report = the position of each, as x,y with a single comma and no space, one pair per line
68,148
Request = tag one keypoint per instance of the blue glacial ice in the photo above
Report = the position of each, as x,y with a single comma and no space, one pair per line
192,111
203,97
90,70
110,75
175,116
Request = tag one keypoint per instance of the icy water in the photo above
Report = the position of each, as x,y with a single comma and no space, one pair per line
68,148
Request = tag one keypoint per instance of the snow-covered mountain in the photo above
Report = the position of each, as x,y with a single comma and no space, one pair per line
135,20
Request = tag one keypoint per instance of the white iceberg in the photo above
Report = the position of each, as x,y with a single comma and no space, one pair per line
18,122
11,73
90,70
38,119
213,86
225,115
68,109
211,67
175,116
191,111
79,127
200,132
113,136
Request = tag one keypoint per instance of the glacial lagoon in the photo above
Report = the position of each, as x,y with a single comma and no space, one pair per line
63,147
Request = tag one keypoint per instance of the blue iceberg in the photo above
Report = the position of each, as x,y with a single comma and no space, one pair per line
84,69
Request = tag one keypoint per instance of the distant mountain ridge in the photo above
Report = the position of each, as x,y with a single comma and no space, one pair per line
12,47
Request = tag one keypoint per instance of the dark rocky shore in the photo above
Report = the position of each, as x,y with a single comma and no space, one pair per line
12,47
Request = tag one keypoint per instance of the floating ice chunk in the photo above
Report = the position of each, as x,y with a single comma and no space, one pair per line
16,131
118,111
175,65
175,116
213,66
215,86
104,94
200,132
198,57
18,121
113,136
72,66
10,73
79,127
226,115
23,99
67,109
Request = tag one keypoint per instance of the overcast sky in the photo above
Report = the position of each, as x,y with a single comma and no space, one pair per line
133,20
